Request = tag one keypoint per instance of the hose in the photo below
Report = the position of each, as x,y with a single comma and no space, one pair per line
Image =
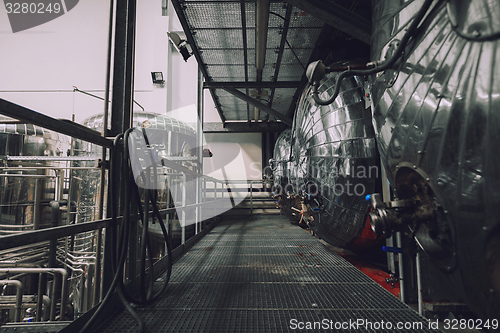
316,76
119,248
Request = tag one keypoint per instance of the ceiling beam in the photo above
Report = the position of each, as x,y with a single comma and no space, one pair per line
284,119
326,38
244,127
284,34
245,45
338,17
262,84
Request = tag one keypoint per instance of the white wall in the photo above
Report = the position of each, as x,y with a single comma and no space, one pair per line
241,153
40,66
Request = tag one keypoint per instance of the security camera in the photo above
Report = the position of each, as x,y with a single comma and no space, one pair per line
180,45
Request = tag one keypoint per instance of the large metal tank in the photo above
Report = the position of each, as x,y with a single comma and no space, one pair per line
336,161
171,139
27,182
33,175
437,123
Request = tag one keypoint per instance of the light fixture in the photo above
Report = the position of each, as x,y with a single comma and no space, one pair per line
157,77
207,153
180,45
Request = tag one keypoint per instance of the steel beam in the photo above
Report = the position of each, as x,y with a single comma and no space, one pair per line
61,126
244,127
256,85
245,44
123,67
284,34
338,17
284,119
121,113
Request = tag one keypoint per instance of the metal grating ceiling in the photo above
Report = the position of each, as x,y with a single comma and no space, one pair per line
223,37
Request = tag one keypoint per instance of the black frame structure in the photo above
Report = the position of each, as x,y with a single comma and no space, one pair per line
253,54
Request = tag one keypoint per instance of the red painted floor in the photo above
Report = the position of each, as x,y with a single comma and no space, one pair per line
372,271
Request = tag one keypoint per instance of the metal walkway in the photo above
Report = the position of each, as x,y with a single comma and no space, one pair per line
261,274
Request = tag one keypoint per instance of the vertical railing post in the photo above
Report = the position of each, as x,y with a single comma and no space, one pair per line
251,197
197,209
167,217
183,205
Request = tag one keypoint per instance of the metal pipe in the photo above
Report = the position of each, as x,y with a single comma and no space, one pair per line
36,206
419,284
28,259
54,300
261,27
251,198
283,41
199,137
25,247
47,168
183,204
61,271
399,243
59,185
28,176
42,281
54,205
19,296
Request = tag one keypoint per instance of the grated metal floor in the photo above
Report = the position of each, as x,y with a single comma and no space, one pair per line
261,274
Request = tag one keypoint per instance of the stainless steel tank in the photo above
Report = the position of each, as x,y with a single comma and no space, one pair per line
335,156
25,193
172,139
437,123
34,174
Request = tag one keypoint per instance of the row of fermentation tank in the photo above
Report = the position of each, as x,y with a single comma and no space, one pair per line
427,129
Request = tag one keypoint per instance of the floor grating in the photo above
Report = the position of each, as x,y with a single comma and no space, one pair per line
261,274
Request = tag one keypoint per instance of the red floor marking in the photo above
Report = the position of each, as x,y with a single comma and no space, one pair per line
373,272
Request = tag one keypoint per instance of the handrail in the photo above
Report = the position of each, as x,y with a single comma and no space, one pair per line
68,128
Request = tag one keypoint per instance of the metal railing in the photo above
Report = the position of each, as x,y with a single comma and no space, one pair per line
191,200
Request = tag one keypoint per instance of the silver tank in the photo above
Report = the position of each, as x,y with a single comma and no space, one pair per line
171,138
281,159
24,195
335,155
34,172
437,124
